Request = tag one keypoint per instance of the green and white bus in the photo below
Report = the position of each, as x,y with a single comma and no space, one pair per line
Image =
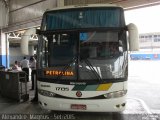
83,58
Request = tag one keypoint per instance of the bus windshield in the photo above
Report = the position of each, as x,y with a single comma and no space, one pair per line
88,55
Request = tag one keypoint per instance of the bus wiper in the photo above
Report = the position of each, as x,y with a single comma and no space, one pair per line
66,67
92,69
87,62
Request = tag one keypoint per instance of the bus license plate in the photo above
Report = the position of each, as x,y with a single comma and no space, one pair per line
78,106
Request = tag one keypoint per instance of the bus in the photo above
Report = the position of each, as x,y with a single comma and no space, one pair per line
82,58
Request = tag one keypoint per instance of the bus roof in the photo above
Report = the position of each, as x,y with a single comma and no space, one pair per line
84,6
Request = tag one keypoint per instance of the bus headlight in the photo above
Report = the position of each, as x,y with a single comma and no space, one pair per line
46,93
115,94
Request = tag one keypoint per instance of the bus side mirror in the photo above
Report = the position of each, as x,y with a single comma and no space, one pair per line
133,37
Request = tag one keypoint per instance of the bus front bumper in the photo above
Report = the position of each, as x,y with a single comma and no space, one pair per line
95,105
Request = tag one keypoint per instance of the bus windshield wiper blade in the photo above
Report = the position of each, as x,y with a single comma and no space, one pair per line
65,68
92,68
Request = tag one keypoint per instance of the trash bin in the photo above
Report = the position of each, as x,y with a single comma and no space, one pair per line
14,85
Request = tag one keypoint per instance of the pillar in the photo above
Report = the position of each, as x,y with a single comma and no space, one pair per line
4,50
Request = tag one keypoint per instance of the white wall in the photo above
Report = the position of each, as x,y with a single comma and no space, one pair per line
15,54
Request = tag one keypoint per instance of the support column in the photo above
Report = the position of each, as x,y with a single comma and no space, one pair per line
0,49
4,50
31,50
25,40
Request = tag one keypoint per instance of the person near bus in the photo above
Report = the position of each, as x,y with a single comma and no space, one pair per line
33,72
25,67
16,66
34,79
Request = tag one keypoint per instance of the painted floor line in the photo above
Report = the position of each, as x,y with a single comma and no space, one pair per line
143,104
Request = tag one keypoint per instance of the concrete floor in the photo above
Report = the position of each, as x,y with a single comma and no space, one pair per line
144,82
135,109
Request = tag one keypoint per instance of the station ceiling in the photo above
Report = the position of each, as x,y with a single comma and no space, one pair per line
17,7
33,10
127,4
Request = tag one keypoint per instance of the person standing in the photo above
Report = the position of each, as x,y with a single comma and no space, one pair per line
33,72
34,79
25,67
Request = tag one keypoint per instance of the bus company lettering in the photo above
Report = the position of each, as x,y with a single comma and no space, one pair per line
57,73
